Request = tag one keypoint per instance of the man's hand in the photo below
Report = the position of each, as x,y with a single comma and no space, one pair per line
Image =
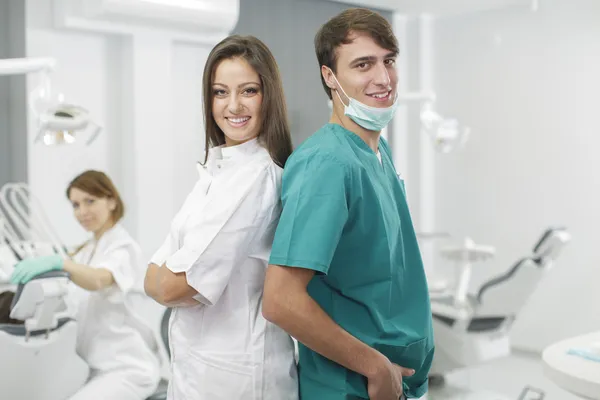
386,382
287,304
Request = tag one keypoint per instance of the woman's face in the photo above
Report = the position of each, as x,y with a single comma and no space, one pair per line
93,213
237,99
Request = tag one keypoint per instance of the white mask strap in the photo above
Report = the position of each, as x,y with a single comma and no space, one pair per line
342,89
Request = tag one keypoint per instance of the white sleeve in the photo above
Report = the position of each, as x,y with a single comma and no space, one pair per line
164,251
222,237
120,263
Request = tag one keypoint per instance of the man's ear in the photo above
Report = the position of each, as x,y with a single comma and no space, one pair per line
328,77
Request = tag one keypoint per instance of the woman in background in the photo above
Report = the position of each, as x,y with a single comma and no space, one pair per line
108,271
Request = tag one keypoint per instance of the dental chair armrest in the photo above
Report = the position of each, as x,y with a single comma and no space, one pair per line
40,302
44,275
53,274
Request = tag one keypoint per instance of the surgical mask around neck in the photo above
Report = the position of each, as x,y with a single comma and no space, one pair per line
370,118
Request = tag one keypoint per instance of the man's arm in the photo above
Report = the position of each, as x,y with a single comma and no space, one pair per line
168,288
287,304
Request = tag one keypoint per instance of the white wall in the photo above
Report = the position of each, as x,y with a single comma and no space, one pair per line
144,88
528,85
188,133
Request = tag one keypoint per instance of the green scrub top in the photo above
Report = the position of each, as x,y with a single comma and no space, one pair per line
345,216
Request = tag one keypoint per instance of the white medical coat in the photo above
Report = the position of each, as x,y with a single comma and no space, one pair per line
223,349
111,335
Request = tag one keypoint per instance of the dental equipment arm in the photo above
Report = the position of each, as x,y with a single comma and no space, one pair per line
17,66
10,239
29,226
38,220
56,123
12,210
168,288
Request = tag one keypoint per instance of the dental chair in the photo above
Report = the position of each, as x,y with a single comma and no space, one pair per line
40,340
39,360
471,329
43,346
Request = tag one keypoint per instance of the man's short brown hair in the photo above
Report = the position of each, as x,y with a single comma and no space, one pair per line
337,30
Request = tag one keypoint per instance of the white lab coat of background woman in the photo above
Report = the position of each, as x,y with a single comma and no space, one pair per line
112,337
223,348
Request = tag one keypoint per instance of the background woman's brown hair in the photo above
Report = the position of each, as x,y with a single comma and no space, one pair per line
275,131
98,184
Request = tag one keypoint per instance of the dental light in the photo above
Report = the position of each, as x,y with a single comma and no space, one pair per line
57,122
61,124
447,134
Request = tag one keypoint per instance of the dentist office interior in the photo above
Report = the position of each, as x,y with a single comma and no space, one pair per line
495,138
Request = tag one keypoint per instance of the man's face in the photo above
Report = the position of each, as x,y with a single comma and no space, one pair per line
365,71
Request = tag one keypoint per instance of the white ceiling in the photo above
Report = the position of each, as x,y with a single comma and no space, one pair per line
437,7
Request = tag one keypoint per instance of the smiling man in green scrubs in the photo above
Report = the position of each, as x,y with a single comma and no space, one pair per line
347,279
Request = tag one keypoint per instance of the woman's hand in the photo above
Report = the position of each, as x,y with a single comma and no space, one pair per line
28,269
168,288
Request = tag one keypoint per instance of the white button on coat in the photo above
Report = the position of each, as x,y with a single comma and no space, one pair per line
223,349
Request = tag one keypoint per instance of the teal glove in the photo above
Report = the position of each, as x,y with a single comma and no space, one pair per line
32,267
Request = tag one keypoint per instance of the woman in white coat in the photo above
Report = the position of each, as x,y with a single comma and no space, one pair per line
108,273
212,265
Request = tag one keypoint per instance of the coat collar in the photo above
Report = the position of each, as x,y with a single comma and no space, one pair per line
240,150
221,157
